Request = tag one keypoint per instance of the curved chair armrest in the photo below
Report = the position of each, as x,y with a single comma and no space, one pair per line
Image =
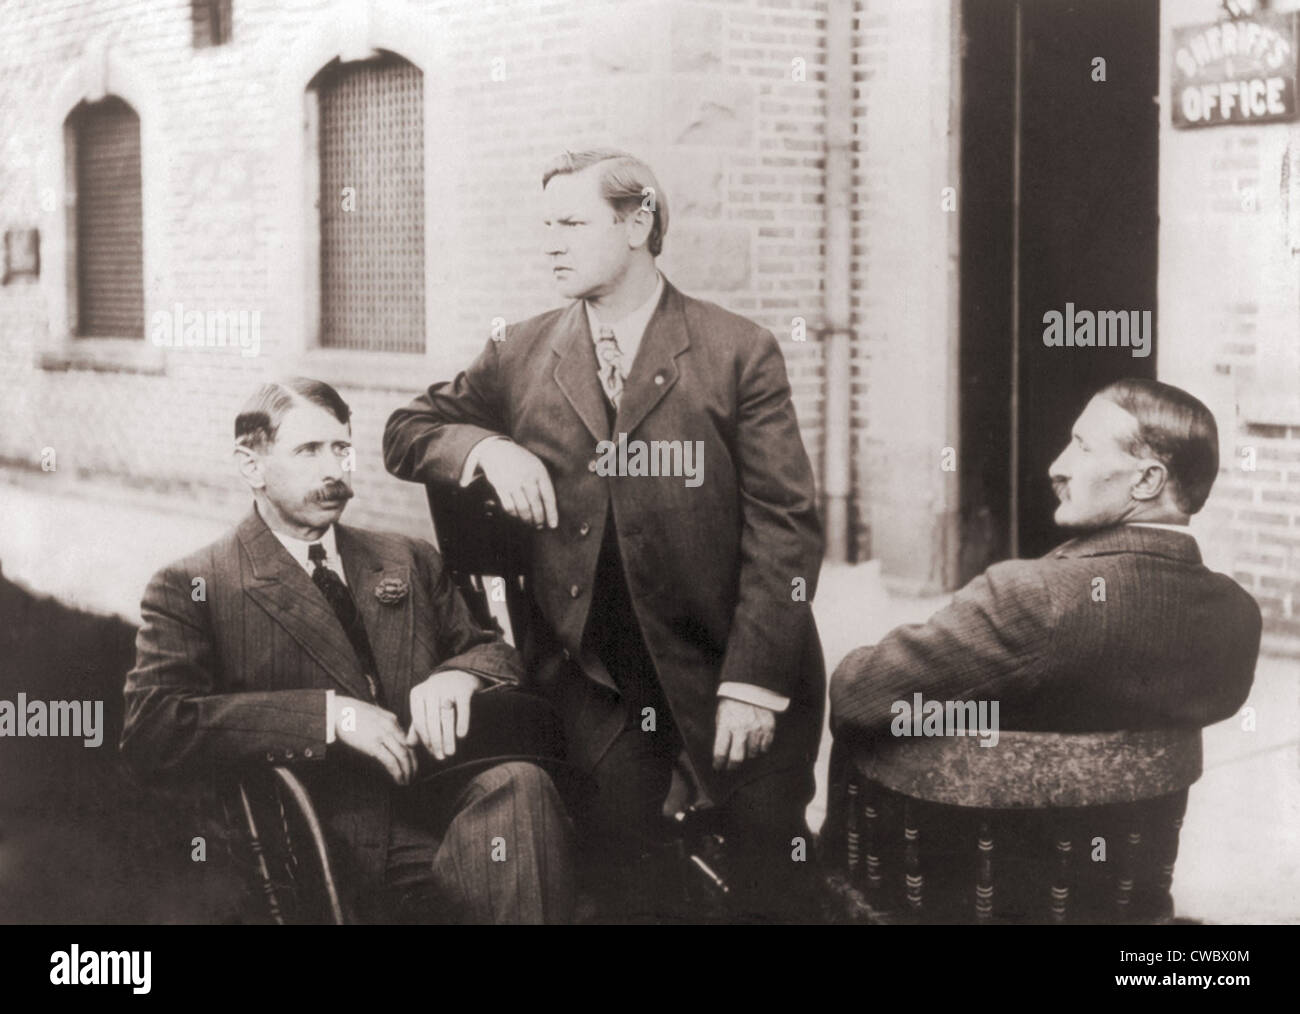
1036,769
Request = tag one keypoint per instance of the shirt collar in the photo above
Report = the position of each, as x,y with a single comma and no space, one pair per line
299,549
630,328
1180,529
1152,538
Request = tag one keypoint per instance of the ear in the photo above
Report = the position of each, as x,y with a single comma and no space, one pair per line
640,222
250,466
1152,481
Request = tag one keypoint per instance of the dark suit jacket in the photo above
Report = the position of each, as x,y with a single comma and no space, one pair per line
711,570
1172,644
240,677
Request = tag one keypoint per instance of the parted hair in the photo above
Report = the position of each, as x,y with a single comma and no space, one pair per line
1177,430
259,420
626,183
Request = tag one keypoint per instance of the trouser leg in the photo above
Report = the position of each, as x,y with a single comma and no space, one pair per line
504,856
772,866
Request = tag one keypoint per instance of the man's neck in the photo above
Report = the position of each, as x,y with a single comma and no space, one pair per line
1156,514
631,291
278,523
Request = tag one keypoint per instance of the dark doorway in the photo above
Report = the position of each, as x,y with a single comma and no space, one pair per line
1058,206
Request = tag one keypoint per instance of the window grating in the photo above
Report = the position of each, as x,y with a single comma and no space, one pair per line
109,229
372,256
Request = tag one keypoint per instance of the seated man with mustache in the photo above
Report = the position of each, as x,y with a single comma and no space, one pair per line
1167,644
296,640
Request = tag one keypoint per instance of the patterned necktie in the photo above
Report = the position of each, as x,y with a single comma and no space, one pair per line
345,608
610,359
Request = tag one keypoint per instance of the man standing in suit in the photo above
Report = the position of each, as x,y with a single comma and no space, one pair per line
296,640
674,595
1122,627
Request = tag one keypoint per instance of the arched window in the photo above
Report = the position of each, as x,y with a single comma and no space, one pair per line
370,142
105,232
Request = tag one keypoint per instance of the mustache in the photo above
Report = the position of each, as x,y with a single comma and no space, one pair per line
335,491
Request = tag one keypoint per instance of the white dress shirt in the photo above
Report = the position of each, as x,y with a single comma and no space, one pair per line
300,548
628,329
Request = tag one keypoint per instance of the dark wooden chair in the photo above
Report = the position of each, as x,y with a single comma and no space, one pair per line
275,842
483,550
1041,828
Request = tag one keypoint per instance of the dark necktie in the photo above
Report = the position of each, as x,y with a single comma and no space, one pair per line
345,608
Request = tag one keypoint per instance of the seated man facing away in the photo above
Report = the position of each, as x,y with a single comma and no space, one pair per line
1120,628
341,650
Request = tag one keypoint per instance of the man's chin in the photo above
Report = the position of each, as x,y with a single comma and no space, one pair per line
1065,519
568,287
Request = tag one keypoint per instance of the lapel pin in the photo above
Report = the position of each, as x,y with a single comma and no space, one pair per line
391,590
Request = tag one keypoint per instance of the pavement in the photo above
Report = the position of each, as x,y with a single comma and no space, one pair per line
94,547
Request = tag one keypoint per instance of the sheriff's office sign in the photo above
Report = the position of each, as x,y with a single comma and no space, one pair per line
1241,71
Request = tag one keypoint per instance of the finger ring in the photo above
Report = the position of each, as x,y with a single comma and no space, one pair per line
448,705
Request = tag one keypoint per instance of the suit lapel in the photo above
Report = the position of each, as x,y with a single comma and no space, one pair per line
387,625
575,373
654,371
281,586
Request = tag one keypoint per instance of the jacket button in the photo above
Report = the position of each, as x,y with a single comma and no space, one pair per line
288,755
584,528
565,654
591,465
270,755
573,591
308,753
659,379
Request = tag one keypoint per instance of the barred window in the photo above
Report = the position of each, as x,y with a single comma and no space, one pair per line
212,22
371,137
107,233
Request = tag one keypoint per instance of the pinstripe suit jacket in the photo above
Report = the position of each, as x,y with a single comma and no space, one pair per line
1170,644
239,676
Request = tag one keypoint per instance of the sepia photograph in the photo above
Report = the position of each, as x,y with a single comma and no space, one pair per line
651,462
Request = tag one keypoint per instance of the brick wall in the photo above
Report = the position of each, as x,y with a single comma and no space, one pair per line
727,100
706,92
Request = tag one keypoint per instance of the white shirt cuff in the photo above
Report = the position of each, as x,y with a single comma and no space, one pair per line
330,717
471,460
758,696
